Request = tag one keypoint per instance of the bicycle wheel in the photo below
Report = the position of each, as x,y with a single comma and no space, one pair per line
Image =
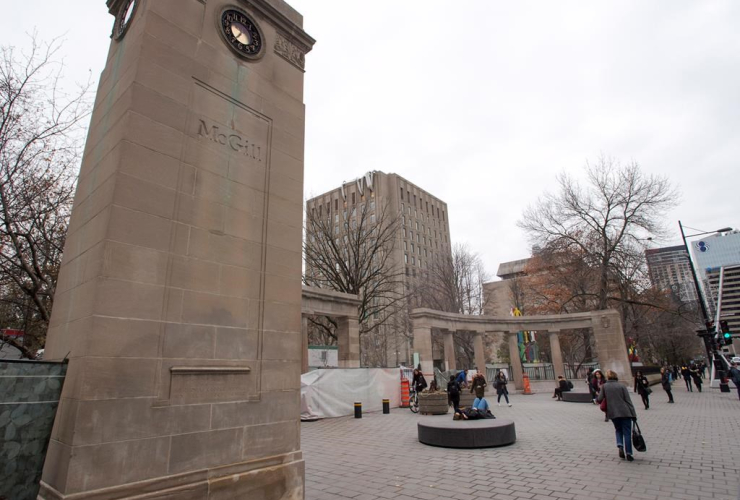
414,403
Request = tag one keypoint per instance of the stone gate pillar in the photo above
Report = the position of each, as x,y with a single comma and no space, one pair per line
516,363
178,301
423,346
557,354
348,342
304,344
480,353
450,357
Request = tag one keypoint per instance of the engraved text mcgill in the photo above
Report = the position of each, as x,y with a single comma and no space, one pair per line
230,140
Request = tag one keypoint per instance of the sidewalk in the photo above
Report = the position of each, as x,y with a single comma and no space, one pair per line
563,451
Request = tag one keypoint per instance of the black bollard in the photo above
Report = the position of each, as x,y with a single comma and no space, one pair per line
386,406
358,410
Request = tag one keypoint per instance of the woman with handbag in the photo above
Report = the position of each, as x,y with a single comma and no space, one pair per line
620,411
642,387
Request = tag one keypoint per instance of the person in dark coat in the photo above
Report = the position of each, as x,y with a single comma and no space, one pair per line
500,385
642,387
589,377
453,394
687,378
620,411
665,381
562,387
597,380
418,381
695,376
735,376
478,385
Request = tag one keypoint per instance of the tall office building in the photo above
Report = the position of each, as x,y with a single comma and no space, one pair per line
711,253
670,269
723,288
422,237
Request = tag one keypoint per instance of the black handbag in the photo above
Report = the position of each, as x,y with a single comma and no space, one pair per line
638,442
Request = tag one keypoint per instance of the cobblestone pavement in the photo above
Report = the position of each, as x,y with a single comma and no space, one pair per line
563,451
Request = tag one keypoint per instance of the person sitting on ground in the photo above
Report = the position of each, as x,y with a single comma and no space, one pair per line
563,386
480,409
478,385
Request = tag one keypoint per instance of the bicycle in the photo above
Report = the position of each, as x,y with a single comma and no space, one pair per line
414,401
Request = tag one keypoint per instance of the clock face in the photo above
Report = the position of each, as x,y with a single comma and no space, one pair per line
124,17
241,33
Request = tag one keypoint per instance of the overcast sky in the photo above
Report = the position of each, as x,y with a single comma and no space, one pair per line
483,103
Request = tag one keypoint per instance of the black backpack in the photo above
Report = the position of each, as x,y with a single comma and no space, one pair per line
570,385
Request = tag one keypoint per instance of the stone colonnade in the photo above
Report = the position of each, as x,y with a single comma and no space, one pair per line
605,325
342,307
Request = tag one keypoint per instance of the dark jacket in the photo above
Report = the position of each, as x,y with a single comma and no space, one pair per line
419,382
665,381
478,385
564,387
618,402
641,385
500,384
735,376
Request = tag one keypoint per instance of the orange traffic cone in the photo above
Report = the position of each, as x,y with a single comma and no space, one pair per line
527,387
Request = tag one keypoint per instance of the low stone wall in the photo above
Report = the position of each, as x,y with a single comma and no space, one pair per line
29,395
433,403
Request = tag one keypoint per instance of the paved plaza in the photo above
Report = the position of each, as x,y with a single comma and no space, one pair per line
563,451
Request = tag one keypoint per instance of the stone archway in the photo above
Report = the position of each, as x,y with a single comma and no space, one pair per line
606,327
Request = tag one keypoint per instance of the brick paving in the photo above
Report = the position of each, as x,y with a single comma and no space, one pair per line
564,451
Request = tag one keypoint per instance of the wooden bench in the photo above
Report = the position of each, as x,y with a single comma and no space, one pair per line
483,433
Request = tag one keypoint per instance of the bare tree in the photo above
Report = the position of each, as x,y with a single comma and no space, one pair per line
455,284
603,222
352,253
40,145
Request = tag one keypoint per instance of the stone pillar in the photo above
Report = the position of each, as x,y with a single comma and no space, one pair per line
516,363
423,346
348,341
179,295
611,348
304,344
480,353
450,358
556,354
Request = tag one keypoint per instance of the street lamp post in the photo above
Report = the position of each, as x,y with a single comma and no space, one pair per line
706,335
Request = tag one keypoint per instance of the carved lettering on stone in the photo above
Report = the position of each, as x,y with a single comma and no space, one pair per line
290,52
230,139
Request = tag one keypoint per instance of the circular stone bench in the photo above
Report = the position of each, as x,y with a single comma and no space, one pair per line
577,397
483,433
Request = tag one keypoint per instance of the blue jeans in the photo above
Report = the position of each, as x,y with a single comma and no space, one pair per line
623,430
480,404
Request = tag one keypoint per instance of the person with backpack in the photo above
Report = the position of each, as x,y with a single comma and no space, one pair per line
499,384
453,394
462,378
563,386
735,376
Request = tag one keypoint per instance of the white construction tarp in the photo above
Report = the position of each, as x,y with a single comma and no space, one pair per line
334,392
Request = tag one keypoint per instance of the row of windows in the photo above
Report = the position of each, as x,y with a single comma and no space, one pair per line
422,203
407,211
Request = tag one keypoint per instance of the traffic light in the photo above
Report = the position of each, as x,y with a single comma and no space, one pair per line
725,336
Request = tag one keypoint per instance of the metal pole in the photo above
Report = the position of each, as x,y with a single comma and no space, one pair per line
708,344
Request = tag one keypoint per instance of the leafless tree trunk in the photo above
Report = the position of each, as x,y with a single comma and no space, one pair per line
40,144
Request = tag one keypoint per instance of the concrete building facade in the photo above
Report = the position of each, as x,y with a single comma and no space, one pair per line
423,235
670,269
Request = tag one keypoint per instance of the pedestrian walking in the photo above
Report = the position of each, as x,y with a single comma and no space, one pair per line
666,383
589,378
499,384
695,376
686,374
462,378
597,380
642,387
620,411
453,394
735,376
478,385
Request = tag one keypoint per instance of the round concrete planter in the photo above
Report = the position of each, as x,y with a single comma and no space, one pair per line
433,403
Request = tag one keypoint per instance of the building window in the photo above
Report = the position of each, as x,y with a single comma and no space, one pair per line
372,219
402,199
336,204
412,248
411,235
403,220
414,200
413,272
401,207
417,225
405,258
413,260
353,198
